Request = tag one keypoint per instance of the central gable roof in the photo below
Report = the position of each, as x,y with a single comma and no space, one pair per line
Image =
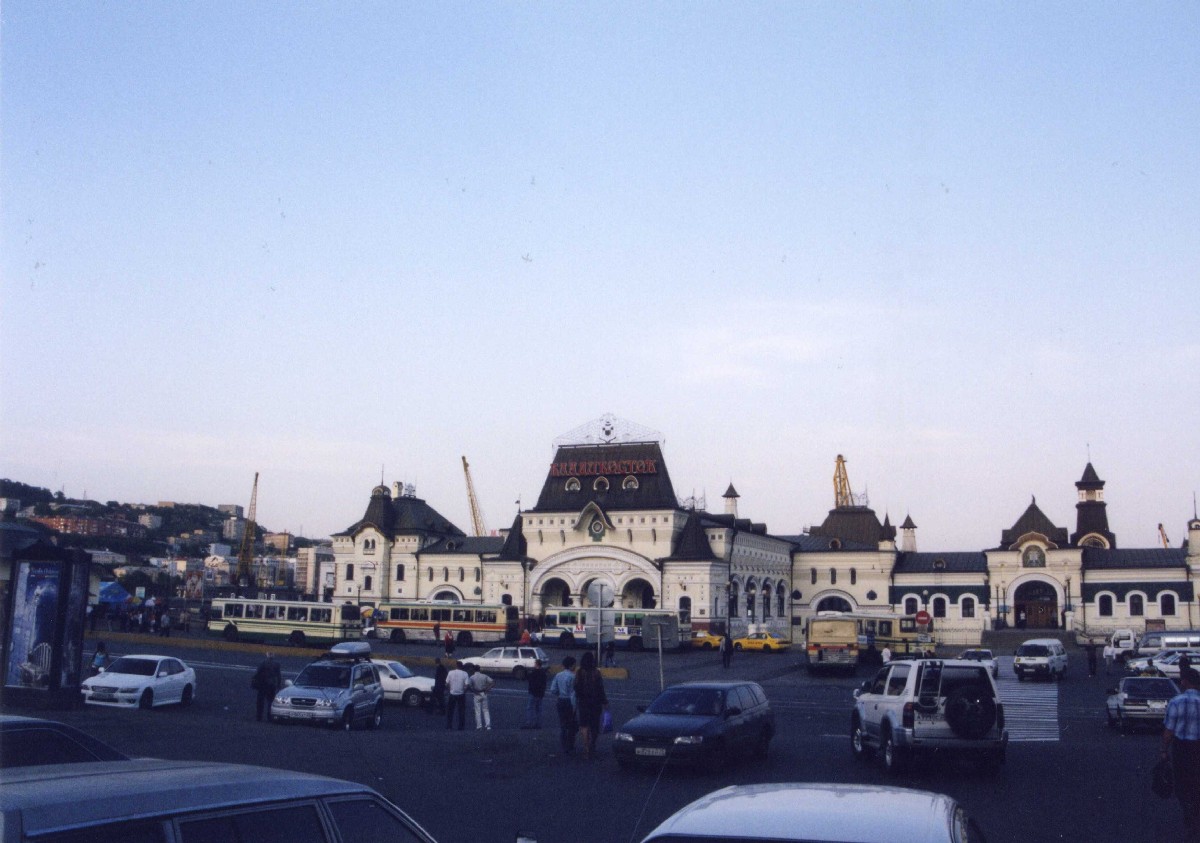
1033,520
582,474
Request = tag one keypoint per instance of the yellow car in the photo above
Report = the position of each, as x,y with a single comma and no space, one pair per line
704,640
764,641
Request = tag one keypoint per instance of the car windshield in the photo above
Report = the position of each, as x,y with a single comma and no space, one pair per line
1156,689
976,655
400,670
1033,650
494,653
704,702
324,676
134,667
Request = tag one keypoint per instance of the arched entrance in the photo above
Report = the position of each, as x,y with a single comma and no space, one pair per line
556,593
638,594
834,604
1037,603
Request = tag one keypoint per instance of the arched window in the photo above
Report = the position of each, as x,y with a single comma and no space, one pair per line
780,600
814,576
968,607
1137,606
685,609
629,483
750,604
734,606
573,484
939,607
766,601
462,574
430,572
910,605
400,572
1166,603
1105,605
445,573
477,575
349,570
601,484
853,576
367,582
833,576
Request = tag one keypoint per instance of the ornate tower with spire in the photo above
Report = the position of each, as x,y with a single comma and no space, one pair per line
1091,515
731,498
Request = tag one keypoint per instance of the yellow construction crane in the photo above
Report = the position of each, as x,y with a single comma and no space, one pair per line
245,575
841,485
1162,534
476,516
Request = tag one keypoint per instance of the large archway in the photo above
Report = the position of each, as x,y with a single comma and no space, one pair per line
637,593
834,604
556,592
1035,604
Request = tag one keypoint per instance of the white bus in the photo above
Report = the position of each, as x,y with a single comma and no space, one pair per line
633,629
426,620
298,622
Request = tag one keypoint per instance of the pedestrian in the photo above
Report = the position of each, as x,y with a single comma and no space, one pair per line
437,698
164,623
456,696
590,701
479,684
266,682
563,688
448,644
1091,656
100,659
886,655
1181,744
537,691
726,650
610,653
437,631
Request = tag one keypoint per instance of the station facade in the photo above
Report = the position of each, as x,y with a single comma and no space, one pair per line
608,514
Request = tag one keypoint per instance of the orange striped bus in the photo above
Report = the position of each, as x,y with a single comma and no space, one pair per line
401,620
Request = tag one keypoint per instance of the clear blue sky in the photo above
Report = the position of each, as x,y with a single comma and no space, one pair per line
957,243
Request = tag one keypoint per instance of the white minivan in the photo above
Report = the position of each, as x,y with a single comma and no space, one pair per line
1040,657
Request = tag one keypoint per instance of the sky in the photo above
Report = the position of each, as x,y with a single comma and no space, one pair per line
338,242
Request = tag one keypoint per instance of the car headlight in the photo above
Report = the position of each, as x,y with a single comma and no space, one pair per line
689,740
279,700
324,703
622,736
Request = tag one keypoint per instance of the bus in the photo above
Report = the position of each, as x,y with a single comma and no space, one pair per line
400,620
297,622
633,629
843,640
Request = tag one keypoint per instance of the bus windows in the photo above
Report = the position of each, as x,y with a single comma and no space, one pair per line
272,613
420,614
297,613
633,621
440,614
321,615
233,610
395,614
460,615
885,629
349,613
486,615
254,610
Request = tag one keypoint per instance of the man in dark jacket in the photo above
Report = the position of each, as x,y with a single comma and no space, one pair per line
267,681
537,691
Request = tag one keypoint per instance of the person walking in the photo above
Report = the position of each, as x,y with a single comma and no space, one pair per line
448,644
456,695
266,683
437,697
479,684
726,650
164,623
610,653
537,691
563,689
590,701
1181,744
100,658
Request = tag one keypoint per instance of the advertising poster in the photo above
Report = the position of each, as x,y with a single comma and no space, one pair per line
35,611
76,612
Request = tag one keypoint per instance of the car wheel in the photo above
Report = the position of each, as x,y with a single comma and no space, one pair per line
186,699
348,719
296,639
858,742
894,757
464,639
396,636
519,672
706,646
411,698
766,648
376,717
737,647
635,644
147,699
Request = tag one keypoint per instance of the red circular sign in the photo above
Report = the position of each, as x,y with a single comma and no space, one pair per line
923,618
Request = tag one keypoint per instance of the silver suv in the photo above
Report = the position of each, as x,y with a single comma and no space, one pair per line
341,688
927,706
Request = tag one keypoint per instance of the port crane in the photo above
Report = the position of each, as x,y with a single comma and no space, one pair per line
1162,535
245,575
477,523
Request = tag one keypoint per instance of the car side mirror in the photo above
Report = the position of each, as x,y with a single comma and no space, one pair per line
287,683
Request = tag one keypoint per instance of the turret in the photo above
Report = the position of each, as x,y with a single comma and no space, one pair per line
731,498
908,540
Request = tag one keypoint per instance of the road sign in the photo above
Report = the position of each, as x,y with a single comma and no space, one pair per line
923,618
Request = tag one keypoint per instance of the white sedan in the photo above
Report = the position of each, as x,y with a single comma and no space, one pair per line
985,658
400,683
1170,666
142,681
515,661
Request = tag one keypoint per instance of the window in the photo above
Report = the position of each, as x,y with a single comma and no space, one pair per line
833,576
766,602
297,613
367,582
430,572
629,483
400,572
367,821
968,607
1137,606
685,609
780,600
601,484
233,610
349,570
939,607
910,605
573,484
853,576
477,574
295,822
254,610
1166,603
750,603
814,576
898,680
1105,605
733,600
445,573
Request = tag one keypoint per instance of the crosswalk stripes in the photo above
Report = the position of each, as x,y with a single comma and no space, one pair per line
1030,708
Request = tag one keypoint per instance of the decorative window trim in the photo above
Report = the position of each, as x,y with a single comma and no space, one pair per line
600,484
630,483
573,484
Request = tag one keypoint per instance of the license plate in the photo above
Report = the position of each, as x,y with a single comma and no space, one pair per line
105,697
1157,706
654,751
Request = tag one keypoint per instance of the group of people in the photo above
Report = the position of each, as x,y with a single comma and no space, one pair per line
581,703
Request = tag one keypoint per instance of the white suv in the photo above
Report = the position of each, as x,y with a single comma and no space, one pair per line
1040,657
932,705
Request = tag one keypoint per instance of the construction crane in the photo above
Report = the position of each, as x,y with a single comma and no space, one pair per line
1162,535
476,515
245,575
842,495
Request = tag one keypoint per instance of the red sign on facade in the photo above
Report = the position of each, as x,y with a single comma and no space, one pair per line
923,618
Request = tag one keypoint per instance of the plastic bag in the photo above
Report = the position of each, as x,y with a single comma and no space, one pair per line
606,723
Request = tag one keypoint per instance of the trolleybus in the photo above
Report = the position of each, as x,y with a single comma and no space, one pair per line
294,621
841,640
401,620
633,629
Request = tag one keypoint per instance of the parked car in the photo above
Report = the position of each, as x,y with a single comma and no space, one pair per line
763,641
819,813
985,658
339,689
929,706
143,681
1139,699
32,741
159,801
514,661
401,684
702,639
1172,664
1040,657
703,723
